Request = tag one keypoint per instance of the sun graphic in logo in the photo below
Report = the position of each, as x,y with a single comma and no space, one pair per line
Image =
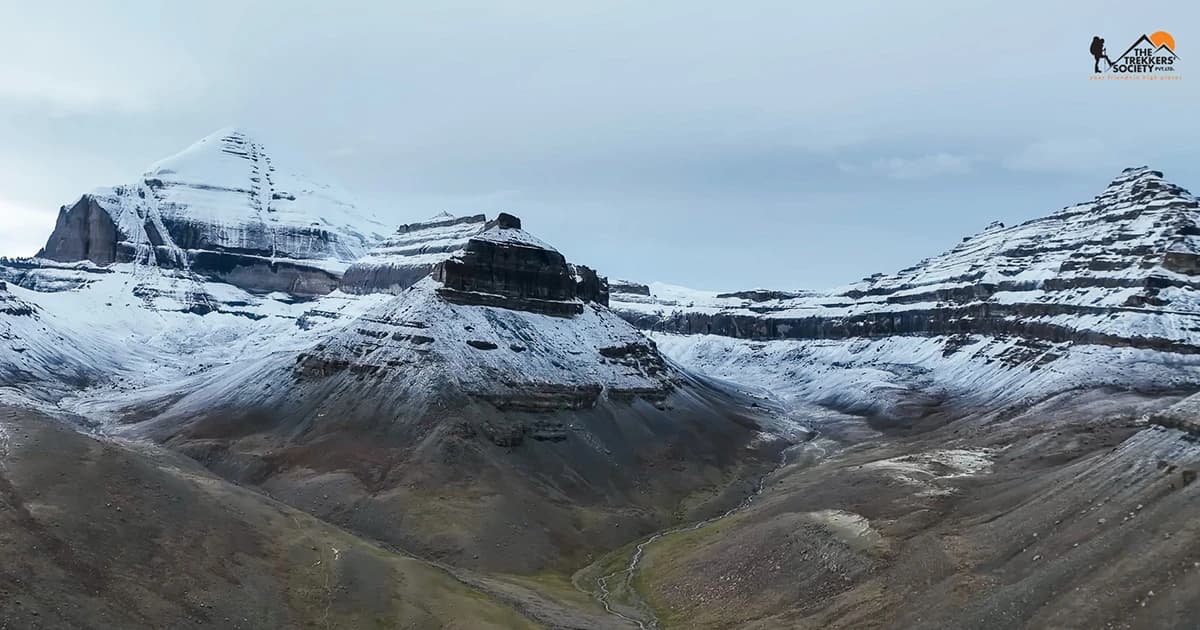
1163,38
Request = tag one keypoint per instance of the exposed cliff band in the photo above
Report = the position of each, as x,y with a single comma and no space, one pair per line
1102,272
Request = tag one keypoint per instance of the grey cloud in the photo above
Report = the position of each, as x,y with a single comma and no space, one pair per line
932,165
691,142
1060,155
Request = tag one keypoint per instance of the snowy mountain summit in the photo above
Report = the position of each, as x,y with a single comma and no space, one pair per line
457,389
1008,310
255,322
228,209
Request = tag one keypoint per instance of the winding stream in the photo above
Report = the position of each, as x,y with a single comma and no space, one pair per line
627,574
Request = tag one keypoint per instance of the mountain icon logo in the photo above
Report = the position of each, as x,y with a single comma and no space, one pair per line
1149,57
1163,39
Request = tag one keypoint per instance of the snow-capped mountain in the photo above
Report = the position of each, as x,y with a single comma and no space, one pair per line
460,371
460,391
1100,293
497,390
228,209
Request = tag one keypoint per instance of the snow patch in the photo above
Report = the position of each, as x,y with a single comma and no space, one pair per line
927,468
854,530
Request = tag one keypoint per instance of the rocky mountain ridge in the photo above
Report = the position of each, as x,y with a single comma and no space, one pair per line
1130,254
984,421
459,371
1114,276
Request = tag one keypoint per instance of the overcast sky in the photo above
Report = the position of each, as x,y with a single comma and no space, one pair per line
717,145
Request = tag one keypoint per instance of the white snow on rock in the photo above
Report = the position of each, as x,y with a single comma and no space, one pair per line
929,468
232,183
1102,293
228,194
411,252
513,236
483,348
100,335
854,530
1098,254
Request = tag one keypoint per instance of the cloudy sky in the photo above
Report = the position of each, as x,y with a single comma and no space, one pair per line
712,144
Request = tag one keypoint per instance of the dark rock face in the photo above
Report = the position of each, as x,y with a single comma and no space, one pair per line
508,222
10,305
758,295
263,275
84,231
589,286
628,288
511,271
410,254
361,279
984,319
506,267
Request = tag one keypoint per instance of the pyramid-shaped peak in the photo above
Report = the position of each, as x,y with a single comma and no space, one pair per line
230,132
226,202
214,148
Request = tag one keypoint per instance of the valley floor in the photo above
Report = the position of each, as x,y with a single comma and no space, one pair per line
1074,512
1070,513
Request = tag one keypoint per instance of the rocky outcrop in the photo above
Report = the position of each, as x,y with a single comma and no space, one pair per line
410,254
759,295
10,305
1121,270
590,286
505,266
1184,415
260,274
85,231
627,287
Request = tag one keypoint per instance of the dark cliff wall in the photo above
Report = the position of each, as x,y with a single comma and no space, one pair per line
363,278
589,285
496,270
510,271
632,288
83,231
258,275
981,318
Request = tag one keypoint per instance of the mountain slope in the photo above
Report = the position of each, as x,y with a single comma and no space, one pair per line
99,534
1047,305
1071,512
496,396
463,392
